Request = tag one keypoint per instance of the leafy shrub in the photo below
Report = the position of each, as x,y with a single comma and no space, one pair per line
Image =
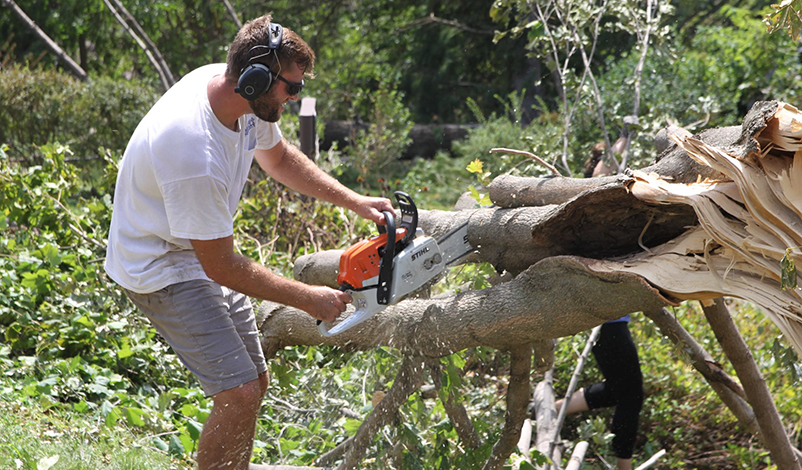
43,106
70,336
439,182
372,159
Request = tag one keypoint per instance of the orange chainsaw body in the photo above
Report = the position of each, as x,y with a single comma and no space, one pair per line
362,260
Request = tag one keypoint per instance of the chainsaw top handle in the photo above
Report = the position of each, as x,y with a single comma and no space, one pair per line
409,216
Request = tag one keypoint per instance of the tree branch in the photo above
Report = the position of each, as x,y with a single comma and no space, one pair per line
456,412
531,155
65,59
771,427
545,413
133,28
233,14
577,456
431,19
517,402
405,383
556,297
555,436
638,75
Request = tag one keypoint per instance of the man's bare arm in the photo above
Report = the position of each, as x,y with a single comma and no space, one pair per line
289,166
248,277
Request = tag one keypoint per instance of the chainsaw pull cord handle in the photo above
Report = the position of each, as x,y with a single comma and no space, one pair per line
386,263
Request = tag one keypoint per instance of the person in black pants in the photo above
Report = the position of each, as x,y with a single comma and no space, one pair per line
617,358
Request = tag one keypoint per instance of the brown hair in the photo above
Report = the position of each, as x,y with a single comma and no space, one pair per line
256,33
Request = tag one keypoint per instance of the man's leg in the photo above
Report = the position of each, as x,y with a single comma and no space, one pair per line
577,404
227,438
213,331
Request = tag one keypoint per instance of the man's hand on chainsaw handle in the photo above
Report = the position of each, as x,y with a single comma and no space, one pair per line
326,303
371,208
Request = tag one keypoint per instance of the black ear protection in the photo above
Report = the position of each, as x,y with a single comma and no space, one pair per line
256,79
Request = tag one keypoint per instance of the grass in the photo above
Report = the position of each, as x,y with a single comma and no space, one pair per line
41,436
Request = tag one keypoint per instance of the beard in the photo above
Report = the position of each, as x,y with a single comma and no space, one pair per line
267,107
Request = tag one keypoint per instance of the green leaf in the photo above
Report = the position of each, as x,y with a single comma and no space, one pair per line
788,280
112,418
539,458
194,428
81,407
351,426
134,416
176,447
160,444
288,445
527,466
117,325
125,351
188,409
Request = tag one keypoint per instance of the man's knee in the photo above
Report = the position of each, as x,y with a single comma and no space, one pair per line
264,381
246,396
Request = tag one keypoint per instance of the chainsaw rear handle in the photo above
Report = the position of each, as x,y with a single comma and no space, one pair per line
387,257
409,218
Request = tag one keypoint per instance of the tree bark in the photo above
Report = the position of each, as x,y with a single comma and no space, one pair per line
62,56
577,456
518,191
545,413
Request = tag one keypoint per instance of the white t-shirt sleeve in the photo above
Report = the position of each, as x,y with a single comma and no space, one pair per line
197,208
268,134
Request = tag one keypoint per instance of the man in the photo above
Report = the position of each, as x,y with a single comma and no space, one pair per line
171,245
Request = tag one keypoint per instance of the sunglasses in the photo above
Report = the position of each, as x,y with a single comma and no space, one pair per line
293,88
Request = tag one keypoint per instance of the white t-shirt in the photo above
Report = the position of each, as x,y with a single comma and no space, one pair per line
181,178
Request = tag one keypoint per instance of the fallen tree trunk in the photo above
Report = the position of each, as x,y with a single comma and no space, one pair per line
548,300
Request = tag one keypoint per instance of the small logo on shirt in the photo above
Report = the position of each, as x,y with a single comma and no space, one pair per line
251,124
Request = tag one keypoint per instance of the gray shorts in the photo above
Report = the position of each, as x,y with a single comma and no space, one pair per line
211,328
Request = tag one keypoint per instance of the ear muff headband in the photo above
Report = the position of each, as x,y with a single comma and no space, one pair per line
256,79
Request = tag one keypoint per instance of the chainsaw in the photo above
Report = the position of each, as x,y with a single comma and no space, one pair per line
384,269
